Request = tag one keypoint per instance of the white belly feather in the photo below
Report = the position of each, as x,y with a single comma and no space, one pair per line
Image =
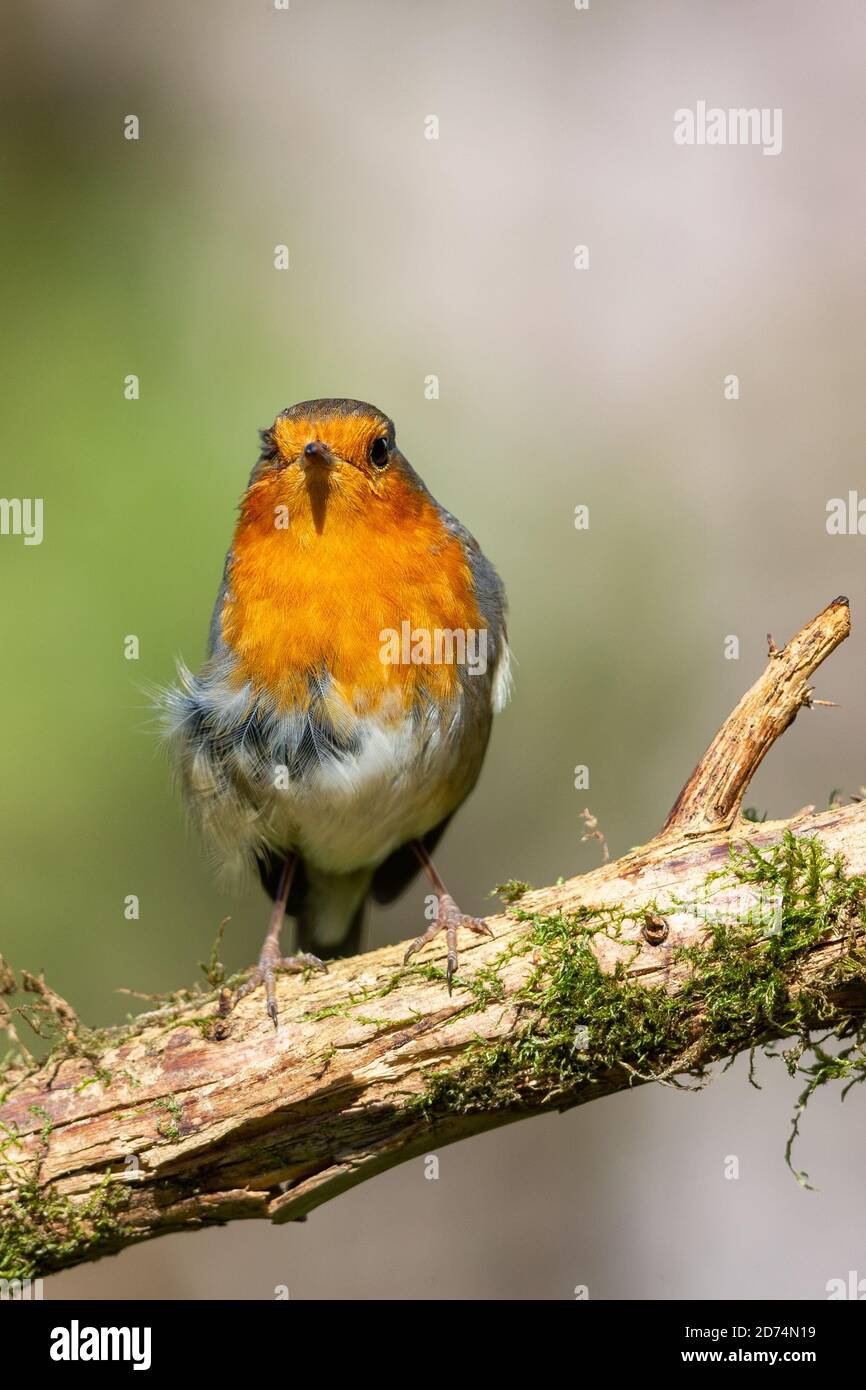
344,810
353,812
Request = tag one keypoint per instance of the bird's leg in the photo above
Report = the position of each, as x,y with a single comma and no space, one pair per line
448,917
270,959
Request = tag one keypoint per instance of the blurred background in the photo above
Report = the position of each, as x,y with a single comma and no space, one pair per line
409,258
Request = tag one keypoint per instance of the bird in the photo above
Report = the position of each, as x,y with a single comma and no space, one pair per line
356,655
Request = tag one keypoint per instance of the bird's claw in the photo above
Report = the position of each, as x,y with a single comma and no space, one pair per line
448,919
270,961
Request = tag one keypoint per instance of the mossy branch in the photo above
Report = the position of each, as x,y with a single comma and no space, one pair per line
718,936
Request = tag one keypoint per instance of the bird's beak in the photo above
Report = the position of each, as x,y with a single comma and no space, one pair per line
316,453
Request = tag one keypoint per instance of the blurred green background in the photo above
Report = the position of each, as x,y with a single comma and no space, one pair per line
453,257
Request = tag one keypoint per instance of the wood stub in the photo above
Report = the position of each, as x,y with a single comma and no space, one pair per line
711,798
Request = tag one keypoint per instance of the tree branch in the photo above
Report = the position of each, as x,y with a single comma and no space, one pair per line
711,798
647,968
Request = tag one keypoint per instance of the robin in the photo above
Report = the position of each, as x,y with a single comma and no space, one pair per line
357,653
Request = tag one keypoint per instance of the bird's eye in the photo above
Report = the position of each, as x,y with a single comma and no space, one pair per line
379,452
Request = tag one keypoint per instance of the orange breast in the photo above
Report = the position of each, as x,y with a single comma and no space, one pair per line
319,576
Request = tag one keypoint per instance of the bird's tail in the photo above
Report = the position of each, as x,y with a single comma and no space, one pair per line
331,916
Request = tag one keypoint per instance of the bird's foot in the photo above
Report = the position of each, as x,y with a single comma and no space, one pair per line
270,961
448,919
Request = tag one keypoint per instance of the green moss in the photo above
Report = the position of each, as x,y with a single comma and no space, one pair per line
510,891
215,972
39,1229
9,1143
334,1010
326,1057
387,1025
744,987
169,1127
47,1122
101,1078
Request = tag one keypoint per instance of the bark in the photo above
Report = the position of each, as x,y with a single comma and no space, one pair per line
184,1120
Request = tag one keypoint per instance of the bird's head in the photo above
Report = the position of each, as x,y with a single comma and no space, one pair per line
327,461
338,531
